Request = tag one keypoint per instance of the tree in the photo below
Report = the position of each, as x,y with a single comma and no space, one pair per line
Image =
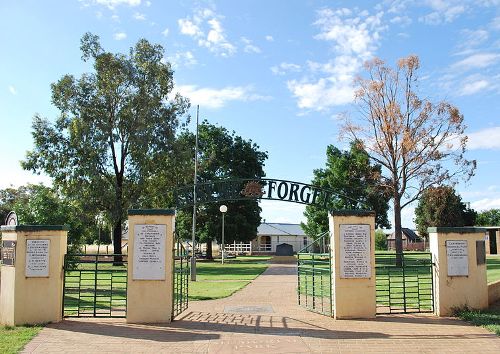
441,206
348,173
116,125
36,204
9,197
489,217
419,144
224,155
380,240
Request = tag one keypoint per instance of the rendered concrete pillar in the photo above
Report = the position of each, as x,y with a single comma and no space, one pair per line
459,274
353,261
32,287
150,265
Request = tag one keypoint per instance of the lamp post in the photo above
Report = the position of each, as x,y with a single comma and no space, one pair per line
223,210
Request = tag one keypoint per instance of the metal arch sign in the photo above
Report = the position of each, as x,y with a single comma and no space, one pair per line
265,188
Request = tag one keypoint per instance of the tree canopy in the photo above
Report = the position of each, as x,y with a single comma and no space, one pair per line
442,206
116,126
348,173
36,204
489,218
418,143
224,155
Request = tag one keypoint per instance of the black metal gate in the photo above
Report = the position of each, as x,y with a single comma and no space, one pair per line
407,287
94,286
181,279
315,276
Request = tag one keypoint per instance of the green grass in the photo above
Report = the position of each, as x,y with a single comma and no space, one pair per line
13,339
215,280
489,319
493,268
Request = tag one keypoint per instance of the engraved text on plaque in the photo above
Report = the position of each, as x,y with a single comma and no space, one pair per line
355,251
149,252
37,258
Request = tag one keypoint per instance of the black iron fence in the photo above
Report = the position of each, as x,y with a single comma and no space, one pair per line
95,286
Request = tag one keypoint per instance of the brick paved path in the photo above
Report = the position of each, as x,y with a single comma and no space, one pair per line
264,318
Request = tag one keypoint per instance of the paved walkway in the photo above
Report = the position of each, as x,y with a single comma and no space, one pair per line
264,318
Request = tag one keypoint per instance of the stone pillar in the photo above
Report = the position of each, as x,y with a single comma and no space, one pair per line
497,234
353,261
459,268
150,265
32,274
487,242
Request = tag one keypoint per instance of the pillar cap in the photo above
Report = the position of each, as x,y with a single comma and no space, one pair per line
35,228
456,230
347,212
151,212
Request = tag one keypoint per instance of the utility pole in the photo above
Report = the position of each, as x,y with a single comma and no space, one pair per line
193,239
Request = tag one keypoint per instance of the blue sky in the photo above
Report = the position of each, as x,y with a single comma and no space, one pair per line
277,72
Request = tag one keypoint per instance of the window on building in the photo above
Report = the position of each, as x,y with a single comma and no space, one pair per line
305,240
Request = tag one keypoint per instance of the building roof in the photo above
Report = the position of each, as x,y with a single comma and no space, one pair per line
410,235
279,229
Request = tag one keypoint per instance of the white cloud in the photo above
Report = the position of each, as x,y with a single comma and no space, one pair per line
479,60
183,59
12,90
112,4
278,211
217,98
269,38
120,36
485,204
139,16
488,138
355,38
206,28
401,20
165,32
284,68
115,18
472,87
249,46
188,28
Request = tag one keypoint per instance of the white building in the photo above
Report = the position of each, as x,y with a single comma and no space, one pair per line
269,235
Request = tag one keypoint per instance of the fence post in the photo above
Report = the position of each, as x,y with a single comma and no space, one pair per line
32,275
353,266
150,266
459,256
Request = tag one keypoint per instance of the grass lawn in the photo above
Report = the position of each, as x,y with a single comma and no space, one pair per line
215,280
489,319
493,268
13,339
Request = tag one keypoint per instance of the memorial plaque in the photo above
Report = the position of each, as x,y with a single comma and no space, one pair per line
355,261
458,258
8,255
37,258
149,252
480,252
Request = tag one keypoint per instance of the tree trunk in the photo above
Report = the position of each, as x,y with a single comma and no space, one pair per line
209,249
117,242
398,235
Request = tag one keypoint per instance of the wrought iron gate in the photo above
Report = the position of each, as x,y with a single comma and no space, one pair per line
405,288
94,286
314,276
181,279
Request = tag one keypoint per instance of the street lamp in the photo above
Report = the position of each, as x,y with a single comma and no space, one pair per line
223,210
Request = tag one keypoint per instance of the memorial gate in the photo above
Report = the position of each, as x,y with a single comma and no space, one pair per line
339,275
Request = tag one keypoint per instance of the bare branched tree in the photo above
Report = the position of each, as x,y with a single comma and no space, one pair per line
419,143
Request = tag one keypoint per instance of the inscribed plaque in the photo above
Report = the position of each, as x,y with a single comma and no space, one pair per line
37,258
8,255
355,259
458,259
149,252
